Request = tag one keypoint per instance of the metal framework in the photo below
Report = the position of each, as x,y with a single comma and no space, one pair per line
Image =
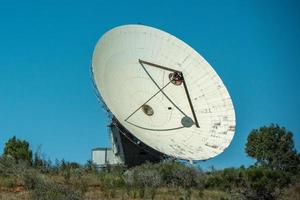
160,90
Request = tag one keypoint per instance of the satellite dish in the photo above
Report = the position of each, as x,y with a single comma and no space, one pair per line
163,92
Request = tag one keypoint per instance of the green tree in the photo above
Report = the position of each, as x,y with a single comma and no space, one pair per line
18,149
273,146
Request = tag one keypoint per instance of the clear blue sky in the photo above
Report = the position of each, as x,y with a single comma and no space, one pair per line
46,93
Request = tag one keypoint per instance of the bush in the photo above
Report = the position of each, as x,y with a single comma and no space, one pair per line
162,174
40,163
186,195
15,173
9,166
8,182
43,189
90,167
251,183
177,174
79,180
109,180
31,178
264,183
292,192
143,176
18,149
12,171
227,179
51,191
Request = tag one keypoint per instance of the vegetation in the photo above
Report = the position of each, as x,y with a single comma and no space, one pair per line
40,179
18,149
273,147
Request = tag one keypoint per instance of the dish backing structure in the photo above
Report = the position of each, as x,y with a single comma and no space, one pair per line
165,98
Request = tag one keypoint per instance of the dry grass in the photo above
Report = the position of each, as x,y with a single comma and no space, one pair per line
97,193
161,194
24,195
291,193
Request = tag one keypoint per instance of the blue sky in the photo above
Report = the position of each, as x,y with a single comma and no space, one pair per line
46,93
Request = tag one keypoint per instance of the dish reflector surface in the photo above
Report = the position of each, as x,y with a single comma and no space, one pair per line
163,92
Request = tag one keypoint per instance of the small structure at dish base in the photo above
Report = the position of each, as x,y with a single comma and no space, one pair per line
165,99
100,156
109,156
104,156
125,149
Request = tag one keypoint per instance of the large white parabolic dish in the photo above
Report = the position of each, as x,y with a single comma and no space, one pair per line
163,92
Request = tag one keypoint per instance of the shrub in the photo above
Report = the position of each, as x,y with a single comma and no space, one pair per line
9,166
226,179
177,174
264,183
214,181
108,180
90,167
186,176
152,192
8,182
162,174
12,171
66,173
18,149
43,189
79,180
291,193
186,195
51,191
142,177
31,178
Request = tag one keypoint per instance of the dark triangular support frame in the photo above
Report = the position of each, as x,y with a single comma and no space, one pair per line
161,90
